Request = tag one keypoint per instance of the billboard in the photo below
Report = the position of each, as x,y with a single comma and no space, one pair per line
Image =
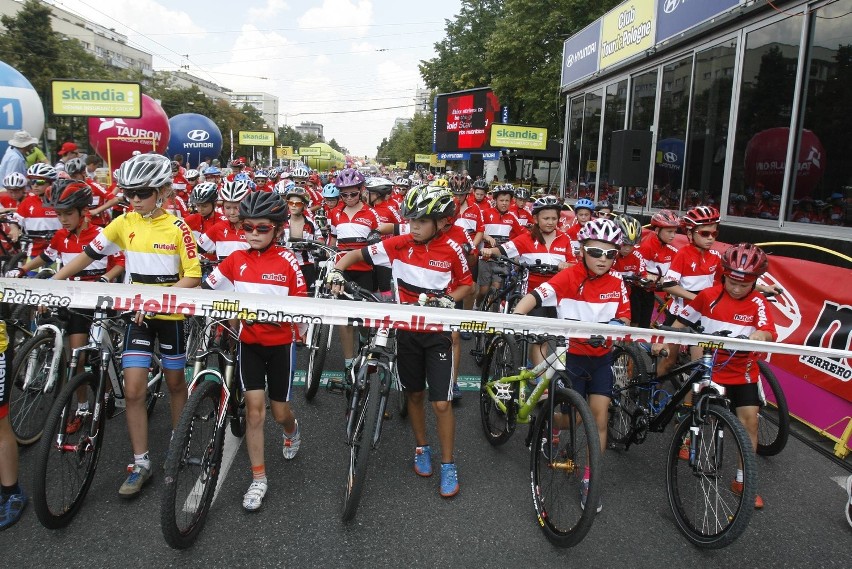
257,138
512,136
677,16
462,120
580,54
626,31
113,99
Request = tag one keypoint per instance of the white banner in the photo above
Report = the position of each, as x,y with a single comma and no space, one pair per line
261,308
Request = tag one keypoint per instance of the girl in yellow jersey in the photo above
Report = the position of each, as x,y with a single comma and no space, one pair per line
12,498
159,250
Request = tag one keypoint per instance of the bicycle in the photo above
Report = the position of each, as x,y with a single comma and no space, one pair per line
318,336
373,375
195,452
707,512
496,300
67,458
562,438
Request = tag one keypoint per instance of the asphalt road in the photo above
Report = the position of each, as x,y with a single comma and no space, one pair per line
403,522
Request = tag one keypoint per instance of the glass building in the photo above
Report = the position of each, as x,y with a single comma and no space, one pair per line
730,91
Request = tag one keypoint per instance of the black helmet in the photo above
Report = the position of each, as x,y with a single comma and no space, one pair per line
264,204
480,184
69,194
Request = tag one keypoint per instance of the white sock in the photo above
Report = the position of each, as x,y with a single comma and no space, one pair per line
142,460
739,475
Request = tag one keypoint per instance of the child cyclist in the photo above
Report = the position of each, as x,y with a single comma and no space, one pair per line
159,250
227,236
266,356
657,251
736,306
428,261
588,292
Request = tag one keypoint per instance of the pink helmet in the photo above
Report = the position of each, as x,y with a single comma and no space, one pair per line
744,262
601,229
701,215
665,218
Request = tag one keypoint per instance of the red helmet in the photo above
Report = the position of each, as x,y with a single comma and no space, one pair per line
701,215
665,218
744,262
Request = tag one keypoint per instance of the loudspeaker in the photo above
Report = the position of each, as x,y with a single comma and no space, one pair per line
477,166
630,158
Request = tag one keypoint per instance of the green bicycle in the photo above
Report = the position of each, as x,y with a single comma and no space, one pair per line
563,438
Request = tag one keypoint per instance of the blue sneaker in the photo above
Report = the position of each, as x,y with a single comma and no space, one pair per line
457,393
11,508
584,494
423,460
449,480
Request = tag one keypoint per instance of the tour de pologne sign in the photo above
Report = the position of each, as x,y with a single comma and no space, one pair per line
113,99
626,30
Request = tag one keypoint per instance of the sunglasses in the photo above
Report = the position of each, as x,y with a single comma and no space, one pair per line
39,182
707,234
295,203
351,195
141,194
597,253
260,228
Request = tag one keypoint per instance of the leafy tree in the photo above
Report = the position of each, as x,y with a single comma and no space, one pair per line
407,140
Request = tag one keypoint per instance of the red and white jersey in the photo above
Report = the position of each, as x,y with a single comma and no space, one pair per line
578,297
501,227
658,255
176,206
66,245
437,267
179,184
530,251
200,224
694,270
524,215
264,187
632,265
470,220
100,196
7,201
39,221
274,272
388,212
223,239
351,232
716,310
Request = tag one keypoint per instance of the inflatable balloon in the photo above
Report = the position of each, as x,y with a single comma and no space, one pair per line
195,137
115,140
20,106
766,157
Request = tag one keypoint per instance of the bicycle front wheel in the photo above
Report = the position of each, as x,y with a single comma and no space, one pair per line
29,405
68,454
629,367
708,509
192,467
565,445
500,357
366,419
318,346
773,428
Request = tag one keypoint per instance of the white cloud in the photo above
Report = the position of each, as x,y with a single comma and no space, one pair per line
271,10
363,47
141,15
339,13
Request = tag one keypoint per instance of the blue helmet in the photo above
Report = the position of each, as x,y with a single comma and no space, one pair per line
212,171
584,203
330,191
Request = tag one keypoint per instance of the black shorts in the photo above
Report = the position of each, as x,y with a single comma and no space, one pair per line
309,271
590,375
743,395
5,387
260,367
78,323
641,306
543,311
426,358
364,279
139,344
382,279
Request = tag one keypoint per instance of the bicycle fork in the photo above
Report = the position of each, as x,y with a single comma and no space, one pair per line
52,366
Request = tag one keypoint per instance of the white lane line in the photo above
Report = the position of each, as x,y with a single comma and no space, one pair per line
229,453
841,481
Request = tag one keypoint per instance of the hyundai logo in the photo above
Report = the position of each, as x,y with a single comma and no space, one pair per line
670,6
670,157
198,135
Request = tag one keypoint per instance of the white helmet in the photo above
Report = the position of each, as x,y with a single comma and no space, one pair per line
145,171
15,181
234,191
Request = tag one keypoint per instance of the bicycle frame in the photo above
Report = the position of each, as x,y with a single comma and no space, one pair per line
373,356
225,381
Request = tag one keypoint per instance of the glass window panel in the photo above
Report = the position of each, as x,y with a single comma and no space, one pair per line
671,134
823,183
763,121
615,112
589,144
643,104
575,135
708,128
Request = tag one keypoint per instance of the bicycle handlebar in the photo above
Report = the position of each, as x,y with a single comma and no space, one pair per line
537,267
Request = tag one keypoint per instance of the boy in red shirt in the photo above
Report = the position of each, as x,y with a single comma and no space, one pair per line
736,306
657,251
267,356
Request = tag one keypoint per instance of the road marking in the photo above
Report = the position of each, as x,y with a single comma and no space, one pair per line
229,452
841,481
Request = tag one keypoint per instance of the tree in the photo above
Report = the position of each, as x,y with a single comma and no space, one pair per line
407,140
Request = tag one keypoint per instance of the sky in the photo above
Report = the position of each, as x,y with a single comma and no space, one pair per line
319,57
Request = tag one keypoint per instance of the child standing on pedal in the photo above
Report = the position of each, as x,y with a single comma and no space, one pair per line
737,307
427,260
267,353
588,292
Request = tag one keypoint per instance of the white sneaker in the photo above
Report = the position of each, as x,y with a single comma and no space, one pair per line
292,443
254,497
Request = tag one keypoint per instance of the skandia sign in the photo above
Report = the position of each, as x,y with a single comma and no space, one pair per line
257,138
510,136
114,99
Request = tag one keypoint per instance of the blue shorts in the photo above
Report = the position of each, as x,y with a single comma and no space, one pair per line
590,375
139,344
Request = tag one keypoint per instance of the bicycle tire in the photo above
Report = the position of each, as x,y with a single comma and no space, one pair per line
318,344
238,413
193,332
55,503
28,410
630,365
773,429
191,471
480,339
366,420
500,359
16,261
706,510
557,464
17,335
401,396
